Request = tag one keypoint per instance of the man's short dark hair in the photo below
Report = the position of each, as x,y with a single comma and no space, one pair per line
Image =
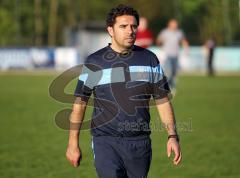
119,11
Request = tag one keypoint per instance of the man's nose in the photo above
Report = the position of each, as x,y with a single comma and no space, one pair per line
130,30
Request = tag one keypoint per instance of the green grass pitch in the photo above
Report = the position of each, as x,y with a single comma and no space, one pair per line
207,112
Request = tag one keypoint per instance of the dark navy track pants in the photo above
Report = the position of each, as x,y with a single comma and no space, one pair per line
122,157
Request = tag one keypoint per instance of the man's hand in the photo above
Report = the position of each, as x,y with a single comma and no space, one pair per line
74,155
173,145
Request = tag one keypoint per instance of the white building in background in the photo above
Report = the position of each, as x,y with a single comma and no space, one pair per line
88,38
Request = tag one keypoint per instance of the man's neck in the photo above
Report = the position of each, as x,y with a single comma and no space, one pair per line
118,49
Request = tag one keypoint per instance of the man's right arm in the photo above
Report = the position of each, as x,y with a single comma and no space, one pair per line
73,152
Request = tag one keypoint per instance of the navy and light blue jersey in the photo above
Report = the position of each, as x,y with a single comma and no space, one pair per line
122,85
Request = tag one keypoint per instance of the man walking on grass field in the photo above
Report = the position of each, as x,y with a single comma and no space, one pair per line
123,78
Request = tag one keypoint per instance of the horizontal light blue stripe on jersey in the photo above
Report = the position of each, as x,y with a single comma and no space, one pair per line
158,73
83,77
155,70
146,73
113,75
140,69
106,77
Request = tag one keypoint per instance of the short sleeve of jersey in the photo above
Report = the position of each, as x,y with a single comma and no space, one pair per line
85,84
160,87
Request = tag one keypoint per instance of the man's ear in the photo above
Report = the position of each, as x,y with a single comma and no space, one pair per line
110,31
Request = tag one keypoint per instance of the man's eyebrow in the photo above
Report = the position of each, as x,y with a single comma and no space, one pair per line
128,24
123,25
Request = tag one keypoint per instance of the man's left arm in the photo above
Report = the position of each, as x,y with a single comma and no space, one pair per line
166,113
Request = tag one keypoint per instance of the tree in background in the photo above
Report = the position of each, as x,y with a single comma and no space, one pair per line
8,25
42,22
38,23
52,27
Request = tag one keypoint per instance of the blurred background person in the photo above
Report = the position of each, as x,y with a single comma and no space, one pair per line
210,46
144,37
170,38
